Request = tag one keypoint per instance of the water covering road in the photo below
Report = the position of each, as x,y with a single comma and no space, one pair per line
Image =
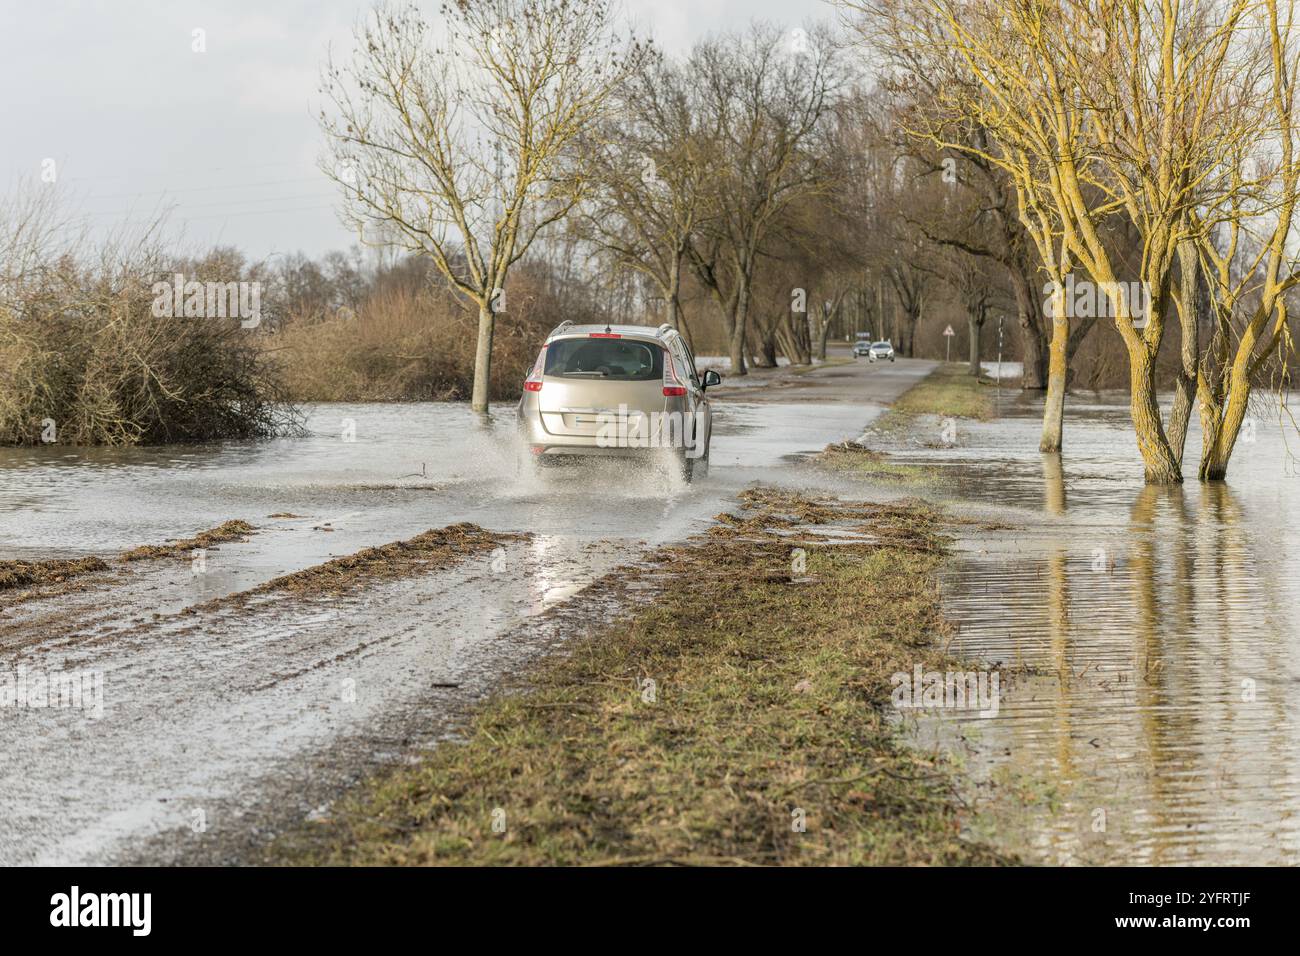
220,724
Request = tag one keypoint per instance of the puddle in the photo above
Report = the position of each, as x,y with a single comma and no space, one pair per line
1154,718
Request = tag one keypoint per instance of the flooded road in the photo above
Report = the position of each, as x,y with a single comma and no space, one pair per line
373,473
1148,640
223,719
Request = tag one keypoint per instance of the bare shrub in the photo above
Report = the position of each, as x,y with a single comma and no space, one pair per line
412,340
84,361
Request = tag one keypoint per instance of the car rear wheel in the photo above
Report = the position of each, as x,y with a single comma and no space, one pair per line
699,466
691,468
685,466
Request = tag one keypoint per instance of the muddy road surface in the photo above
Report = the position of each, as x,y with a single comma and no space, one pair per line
182,709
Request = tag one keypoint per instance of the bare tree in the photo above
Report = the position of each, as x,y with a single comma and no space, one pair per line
648,163
903,251
837,221
1246,244
765,94
456,142
939,103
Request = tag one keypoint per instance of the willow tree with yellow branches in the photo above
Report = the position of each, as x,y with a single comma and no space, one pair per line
1246,242
1098,109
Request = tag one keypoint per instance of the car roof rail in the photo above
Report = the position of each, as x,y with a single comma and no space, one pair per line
665,328
567,323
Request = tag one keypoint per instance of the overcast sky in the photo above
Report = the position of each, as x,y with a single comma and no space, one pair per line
134,120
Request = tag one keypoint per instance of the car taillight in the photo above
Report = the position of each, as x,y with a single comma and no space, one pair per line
534,381
604,335
672,385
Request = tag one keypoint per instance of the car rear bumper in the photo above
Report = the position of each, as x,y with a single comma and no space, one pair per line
542,442
588,451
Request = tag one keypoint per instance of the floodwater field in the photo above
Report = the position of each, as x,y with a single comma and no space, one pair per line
1148,642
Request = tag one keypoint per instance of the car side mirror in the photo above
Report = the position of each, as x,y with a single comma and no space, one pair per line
712,378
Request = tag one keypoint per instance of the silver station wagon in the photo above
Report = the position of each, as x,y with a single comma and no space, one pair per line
617,391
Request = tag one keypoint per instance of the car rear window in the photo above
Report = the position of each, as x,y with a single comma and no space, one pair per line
616,359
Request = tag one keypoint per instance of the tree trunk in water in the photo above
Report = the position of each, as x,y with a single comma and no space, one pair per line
1221,437
1185,383
1058,364
1161,466
1210,421
483,360
973,337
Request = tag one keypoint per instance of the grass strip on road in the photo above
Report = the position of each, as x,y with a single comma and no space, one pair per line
430,550
950,391
858,461
741,717
18,574
234,530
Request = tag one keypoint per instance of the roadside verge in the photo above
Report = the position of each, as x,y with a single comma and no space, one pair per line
946,394
738,717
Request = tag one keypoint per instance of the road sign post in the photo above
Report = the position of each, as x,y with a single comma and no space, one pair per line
999,392
948,333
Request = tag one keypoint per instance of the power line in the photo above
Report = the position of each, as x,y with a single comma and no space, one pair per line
256,212
209,205
194,189
174,169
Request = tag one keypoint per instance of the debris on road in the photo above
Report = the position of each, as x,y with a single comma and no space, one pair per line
235,530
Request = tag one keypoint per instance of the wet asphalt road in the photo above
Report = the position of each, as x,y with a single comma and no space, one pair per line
203,731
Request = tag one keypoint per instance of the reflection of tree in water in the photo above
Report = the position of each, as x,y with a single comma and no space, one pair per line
1195,586
1058,615
1150,638
1192,757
